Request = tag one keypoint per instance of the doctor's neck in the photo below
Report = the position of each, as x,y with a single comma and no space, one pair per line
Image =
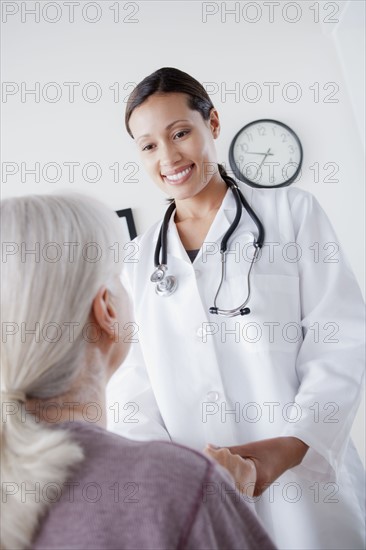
205,203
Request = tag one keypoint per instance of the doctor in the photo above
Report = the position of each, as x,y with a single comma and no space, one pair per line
280,385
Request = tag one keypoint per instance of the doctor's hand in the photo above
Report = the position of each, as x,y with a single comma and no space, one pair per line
242,470
272,457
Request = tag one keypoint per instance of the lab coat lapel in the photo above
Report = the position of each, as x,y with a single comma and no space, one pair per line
219,226
222,220
221,223
175,246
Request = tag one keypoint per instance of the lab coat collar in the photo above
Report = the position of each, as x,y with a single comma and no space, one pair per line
221,223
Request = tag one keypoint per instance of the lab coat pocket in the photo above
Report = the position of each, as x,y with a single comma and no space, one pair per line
274,321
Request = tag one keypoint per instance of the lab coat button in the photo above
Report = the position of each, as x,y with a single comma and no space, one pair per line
198,273
213,396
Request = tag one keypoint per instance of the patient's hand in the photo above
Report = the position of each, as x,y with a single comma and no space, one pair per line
243,470
271,457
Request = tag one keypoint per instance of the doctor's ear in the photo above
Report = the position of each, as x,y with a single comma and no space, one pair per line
104,312
214,122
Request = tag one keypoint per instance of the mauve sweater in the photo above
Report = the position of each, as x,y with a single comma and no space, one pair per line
147,495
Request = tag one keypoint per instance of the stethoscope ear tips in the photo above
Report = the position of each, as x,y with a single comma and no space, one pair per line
244,311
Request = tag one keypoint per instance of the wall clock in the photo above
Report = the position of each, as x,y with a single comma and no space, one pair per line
266,153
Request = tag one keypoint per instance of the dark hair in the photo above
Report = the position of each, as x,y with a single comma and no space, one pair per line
170,80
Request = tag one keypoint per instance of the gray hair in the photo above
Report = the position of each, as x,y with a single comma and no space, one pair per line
50,275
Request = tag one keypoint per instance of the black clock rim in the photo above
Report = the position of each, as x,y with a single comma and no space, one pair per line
238,174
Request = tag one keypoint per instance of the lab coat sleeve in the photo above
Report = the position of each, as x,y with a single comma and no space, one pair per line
330,363
132,410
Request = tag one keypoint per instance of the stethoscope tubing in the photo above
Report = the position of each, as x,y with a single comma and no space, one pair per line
166,285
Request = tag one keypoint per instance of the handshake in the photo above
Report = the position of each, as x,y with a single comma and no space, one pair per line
254,466
243,470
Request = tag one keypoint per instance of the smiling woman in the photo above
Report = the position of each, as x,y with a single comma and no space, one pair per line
179,155
176,146
186,363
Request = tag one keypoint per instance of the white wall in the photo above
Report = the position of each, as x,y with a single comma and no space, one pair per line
320,50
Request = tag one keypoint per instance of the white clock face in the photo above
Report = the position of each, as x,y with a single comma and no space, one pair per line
267,153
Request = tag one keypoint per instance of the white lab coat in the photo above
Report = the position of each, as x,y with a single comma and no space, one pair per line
292,367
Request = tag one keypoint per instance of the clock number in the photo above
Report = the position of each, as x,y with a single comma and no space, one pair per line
284,138
248,136
241,160
243,147
261,130
274,130
292,150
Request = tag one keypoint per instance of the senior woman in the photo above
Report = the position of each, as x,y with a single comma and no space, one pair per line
66,327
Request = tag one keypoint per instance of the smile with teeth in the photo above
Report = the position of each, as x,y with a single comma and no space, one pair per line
179,175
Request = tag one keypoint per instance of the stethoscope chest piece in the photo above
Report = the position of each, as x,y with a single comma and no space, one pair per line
159,273
167,286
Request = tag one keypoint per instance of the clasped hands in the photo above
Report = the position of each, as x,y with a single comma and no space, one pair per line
254,466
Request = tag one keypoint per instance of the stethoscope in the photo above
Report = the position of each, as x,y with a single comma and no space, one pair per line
166,285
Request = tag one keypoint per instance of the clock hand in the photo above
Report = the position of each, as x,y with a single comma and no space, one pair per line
265,156
253,153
